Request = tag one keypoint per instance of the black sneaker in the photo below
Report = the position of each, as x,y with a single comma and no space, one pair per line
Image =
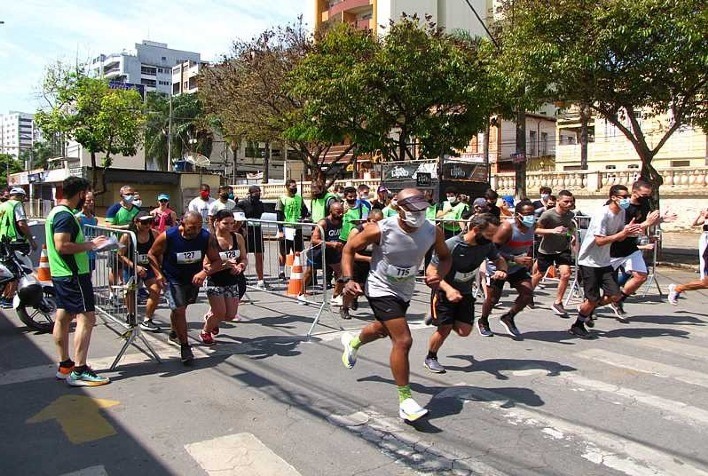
531,304
483,328
579,330
344,313
559,310
186,354
149,325
508,322
131,320
172,338
355,304
590,322
618,309
282,277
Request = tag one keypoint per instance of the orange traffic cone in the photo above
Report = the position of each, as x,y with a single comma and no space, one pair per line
551,273
289,259
43,273
295,286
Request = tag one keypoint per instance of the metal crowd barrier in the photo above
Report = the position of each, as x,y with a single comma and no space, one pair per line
315,284
114,294
575,290
655,238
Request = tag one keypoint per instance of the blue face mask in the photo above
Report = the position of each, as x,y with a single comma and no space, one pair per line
128,198
623,203
528,220
231,196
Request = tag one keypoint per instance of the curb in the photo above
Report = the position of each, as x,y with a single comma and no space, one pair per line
682,266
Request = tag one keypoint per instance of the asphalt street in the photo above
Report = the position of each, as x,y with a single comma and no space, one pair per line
266,400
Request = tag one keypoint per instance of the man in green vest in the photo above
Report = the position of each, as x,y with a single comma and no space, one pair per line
321,200
451,213
291,209
13,227
69,264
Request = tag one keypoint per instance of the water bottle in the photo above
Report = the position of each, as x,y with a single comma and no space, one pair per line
642,240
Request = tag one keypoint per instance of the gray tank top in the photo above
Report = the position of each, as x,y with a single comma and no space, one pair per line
395,259
521,243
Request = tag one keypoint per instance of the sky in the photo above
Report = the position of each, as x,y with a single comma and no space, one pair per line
37,33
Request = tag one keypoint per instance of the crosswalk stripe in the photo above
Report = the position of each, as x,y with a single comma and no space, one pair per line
599,447
237,455
91,471
645,366
669,345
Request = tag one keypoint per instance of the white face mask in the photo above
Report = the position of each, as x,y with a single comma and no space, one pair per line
414,219
452,199
138,203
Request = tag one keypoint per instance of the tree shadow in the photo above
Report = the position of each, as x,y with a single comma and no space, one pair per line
495,367
668,319
637,333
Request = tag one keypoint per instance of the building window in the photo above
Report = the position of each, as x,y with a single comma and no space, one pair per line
680,163
533,140
148,70
148,82
544,143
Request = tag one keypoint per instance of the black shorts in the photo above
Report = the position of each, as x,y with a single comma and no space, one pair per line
445,313
560,259
513,279
254,239
595,279
74,294
388,307
181,295
296,245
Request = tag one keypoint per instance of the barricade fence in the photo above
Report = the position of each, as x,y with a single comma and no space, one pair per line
115,284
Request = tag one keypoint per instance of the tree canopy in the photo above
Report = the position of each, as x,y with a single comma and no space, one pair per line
633,62
103,120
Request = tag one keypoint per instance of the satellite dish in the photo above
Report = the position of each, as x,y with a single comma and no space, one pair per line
198,160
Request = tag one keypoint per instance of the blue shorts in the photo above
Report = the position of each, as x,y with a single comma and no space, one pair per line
74,294
129,273
181,295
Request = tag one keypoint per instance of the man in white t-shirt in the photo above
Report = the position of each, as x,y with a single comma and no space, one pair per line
223,203
594,260
201,205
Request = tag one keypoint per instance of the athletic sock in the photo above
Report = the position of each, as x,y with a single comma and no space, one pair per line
355,343
281,268
404,392
79,369
624,296
432,355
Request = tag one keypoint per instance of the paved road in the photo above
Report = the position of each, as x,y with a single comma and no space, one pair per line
266,401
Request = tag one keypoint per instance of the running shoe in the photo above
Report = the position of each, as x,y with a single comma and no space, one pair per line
590,322
282,277
337,300
6,303
87,378
618,309
215,330
433,365
207,338
186,354
64,369
302,300
349,354
261,285
150,326
483,328
579,330
532,303
344,313
507,321
173,339
673,294
355,304
409,410
558,308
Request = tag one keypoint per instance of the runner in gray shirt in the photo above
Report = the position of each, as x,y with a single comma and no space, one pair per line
557,230
594,261
452,304
400,244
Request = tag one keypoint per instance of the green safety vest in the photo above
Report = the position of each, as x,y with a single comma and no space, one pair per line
430,212
348,222
292,207
389,212
454,214
57,266
8,227
319,207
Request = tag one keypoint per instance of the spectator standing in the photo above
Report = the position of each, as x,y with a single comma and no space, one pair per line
491,196
363,192
291,209
382,198
222,203
163,216
69,265
86,217
120,215
451,212
321,200
202,204
253,208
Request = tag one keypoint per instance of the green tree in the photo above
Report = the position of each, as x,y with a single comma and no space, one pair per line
415,84
247,94
38,155
9,165
631,61
103,120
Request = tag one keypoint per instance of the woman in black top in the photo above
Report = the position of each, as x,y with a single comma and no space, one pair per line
226,282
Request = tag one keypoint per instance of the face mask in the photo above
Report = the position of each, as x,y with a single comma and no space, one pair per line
231,196
293,190
204,194
256,197
623,203
481,240
644,199
544,196
364,196
414,219
452,199
128,198
352,203
138,203
528,220
224,196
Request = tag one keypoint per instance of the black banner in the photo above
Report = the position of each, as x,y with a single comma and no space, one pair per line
463,171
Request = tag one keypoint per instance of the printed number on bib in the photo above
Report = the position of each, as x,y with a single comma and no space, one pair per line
463,277
143,259
189,257
398,272
230,254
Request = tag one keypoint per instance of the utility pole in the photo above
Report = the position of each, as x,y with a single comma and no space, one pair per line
169,134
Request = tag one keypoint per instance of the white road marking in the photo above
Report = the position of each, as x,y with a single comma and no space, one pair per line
673,347
238,455
91,471
645,366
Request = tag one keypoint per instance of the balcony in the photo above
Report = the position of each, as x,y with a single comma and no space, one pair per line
349,6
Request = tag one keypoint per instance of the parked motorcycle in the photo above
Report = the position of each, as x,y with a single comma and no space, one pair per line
34,301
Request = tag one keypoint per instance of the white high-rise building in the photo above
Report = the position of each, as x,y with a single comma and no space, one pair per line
17,132
149,65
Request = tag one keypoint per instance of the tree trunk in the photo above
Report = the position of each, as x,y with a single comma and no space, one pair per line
651,175
584,118
520,165
266,163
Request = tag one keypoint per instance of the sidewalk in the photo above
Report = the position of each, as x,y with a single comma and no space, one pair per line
680,248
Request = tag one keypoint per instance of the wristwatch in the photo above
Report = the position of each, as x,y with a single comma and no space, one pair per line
344,279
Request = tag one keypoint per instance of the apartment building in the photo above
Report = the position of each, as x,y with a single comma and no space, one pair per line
149,65
17,132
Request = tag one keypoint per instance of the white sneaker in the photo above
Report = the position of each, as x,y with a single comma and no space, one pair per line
261,284
349,354
673,295
409,410
337,301
302,300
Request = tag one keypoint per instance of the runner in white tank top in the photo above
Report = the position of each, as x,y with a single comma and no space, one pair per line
400,244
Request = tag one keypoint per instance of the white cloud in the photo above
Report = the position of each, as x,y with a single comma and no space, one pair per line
38,32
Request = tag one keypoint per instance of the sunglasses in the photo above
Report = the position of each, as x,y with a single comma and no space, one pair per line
145,222
163,201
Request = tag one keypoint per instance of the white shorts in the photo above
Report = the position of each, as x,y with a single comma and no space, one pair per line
632,263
